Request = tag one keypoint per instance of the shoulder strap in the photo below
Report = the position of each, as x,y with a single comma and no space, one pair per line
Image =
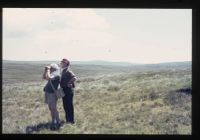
60,75
52,86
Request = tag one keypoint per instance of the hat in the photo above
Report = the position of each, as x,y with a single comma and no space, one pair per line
55,66
64,60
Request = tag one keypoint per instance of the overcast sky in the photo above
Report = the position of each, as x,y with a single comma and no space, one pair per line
131,35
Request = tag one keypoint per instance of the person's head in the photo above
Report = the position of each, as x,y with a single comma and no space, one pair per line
64,63
54,67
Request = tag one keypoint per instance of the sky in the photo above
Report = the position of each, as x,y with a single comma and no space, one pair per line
83,34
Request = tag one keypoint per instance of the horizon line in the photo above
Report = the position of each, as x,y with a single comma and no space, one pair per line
98,60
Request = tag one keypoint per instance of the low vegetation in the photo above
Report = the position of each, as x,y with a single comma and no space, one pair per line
107,100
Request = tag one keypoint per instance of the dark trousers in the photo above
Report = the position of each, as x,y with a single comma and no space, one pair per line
68,104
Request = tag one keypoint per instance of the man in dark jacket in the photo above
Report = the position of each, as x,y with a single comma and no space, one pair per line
67,83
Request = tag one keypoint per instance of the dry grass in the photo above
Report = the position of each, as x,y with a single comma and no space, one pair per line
119,103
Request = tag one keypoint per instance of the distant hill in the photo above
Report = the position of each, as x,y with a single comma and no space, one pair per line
171,64
95,62
30,62
108,63
101,62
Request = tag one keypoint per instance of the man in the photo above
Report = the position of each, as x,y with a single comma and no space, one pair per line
67,83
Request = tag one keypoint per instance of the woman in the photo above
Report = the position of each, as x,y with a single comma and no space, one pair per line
52,74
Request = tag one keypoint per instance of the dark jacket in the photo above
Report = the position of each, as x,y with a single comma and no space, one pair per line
66,77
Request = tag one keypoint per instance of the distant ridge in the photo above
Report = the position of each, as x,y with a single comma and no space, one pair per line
101,62
33,62
105,63
171,63
95,62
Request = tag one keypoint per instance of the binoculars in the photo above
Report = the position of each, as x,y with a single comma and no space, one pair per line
47,67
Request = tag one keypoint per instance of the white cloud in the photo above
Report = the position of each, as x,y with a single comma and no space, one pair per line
44,31
86,19
36,19
82,34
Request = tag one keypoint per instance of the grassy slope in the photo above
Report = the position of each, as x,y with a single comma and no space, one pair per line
107,100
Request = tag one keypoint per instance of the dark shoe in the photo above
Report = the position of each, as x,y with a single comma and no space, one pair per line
61,123
69,122
55,126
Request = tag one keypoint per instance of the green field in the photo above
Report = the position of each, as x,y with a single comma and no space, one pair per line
138,99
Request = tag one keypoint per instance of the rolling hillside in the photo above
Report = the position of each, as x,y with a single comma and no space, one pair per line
136,99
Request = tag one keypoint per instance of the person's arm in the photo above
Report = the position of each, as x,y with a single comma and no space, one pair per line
48,74
73,79
70,84
45,73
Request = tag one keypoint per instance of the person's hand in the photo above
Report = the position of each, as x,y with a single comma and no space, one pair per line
69,85
47,68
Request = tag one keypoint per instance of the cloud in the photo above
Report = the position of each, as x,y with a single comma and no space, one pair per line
35,19
83,34
45,31
86,19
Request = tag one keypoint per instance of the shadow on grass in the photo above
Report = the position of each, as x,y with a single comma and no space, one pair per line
185,90
42,126
179,97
